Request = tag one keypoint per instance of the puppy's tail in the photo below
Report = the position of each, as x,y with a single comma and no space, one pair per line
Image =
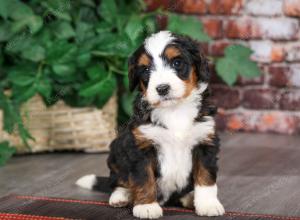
93,182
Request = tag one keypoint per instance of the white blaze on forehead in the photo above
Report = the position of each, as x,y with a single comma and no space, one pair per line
156,43
161,74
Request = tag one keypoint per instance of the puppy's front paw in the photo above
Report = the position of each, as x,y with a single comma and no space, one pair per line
150,211
211,207
120,197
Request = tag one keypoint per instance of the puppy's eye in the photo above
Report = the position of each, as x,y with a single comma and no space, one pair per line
143,69
177,64
146,69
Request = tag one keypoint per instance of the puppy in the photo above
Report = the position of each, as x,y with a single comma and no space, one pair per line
167,154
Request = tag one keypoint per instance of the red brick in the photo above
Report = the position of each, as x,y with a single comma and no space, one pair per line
217,48
263,7
267,51
226,97
162,21
154,4
204,48
293,52
292,7
244,81
290,100
213,27
242,29
260,98
188,6
279,76
270,28
224,6
295,75
277,54
248,120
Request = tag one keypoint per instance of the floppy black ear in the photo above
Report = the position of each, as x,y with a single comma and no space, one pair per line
132,68
132,76
199,60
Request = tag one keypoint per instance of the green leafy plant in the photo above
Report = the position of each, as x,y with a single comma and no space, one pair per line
6,152
236,62
77,51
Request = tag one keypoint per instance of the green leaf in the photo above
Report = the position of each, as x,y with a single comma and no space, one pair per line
61,52
236,61
63,69
20,10
21,80
34,53
44,88
84,31
134,27
187,25
102,88
83,59
96,72
58,8
226,69
34,23
249,69
5,8
63,30
115,46
23,94
22,75
6,151
108,10
19,43
103,27
5,31
127,103
108,89
150,25
238,51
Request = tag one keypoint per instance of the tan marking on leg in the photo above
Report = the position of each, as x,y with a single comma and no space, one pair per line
201,175
146,193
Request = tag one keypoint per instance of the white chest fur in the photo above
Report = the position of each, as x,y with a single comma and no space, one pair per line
175,143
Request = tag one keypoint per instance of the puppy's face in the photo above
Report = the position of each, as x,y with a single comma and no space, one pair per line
167,69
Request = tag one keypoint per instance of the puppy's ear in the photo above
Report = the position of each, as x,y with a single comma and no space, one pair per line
198,58
132,76
132,68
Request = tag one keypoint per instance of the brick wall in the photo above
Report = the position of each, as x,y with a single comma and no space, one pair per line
271,102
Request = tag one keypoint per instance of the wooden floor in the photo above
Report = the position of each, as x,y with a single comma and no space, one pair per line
258,173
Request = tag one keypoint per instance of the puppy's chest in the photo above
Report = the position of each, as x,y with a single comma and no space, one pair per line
175,153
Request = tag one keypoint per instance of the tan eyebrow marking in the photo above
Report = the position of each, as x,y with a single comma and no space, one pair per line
144,60
172,52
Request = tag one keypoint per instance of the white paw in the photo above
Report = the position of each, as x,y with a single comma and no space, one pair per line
87,181
150,211
120,197
211,207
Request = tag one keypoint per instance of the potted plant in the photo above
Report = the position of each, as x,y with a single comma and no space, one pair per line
76,52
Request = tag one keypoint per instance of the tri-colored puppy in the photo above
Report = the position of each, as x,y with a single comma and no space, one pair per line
168,151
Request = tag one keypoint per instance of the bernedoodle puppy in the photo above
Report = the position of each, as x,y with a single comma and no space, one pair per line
167,154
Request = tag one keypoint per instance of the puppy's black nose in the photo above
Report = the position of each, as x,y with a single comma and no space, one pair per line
163,89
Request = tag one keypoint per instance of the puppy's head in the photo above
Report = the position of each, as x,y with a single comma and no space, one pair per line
167,69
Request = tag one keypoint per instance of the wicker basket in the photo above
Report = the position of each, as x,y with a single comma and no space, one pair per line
61,127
